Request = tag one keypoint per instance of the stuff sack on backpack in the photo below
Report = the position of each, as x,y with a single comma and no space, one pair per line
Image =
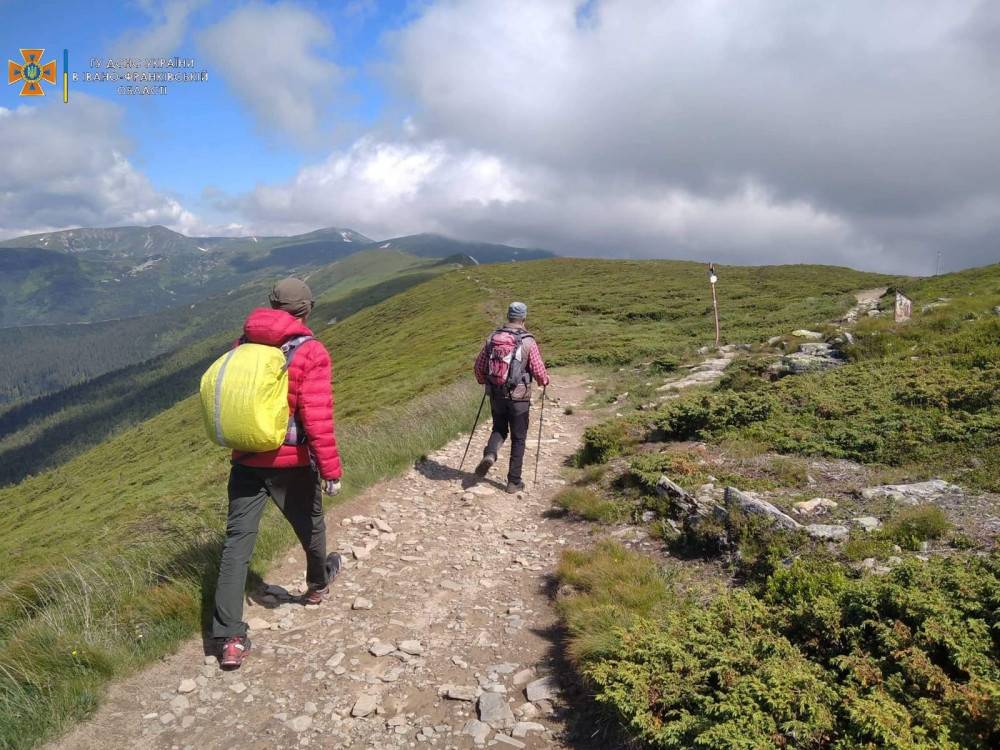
244,397
506,367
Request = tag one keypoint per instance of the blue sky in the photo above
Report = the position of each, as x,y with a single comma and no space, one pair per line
857,133
213,126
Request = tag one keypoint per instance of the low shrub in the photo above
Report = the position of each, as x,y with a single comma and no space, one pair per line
912,526
664,364
589,504
863,544
696,418
604,441
809,658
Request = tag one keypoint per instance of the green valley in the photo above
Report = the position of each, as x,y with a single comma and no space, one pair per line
48,430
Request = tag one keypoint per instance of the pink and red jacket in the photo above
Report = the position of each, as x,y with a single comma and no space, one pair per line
310,395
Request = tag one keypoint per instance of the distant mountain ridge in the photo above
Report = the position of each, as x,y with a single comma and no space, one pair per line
438,246
94,274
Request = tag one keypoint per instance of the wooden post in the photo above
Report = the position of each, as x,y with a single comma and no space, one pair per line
712,278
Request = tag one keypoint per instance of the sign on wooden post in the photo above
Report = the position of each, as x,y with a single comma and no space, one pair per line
904,307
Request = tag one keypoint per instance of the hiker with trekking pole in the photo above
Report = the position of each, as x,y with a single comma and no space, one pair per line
270,399
508,363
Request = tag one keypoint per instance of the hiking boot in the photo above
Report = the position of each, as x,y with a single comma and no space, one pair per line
514,487
234,651
315,596
484,466
334,562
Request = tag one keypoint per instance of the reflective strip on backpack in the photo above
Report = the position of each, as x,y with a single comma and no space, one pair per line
219,437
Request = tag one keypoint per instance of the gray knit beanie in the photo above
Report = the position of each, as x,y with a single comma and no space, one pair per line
517,311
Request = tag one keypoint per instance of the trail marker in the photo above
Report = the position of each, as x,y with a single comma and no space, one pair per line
712,278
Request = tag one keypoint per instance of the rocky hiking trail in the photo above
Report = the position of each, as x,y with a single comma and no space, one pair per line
439,631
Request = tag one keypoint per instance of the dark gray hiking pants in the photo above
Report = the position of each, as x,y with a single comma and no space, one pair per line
297,494
509,417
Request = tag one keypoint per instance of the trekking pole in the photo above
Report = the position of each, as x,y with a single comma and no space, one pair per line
474,425
541,418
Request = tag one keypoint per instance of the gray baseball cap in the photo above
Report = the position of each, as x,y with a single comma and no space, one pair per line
293,296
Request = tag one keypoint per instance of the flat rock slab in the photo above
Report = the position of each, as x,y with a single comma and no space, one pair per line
459,692
803,333
542,689
495,711
816,505
827,531
868,523
754,505
911,494
477,730
381,648
299,723
365,705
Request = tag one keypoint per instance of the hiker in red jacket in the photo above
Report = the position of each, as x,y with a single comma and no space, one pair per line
507,364
295,476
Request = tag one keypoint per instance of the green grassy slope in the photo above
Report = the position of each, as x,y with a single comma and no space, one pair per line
920,396
815,651
49,430
439,246
154,495
53,357
613,312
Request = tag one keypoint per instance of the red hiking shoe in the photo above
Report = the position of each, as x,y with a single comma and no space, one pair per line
234,651
334,563
315,596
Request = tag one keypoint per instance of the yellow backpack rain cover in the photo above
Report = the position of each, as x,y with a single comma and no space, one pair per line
244,398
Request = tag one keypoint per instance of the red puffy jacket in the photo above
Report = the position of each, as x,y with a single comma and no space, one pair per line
310,395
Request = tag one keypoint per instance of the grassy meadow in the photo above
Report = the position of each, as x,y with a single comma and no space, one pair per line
888,640
107,558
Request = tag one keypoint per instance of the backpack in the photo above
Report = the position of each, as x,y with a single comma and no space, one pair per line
244,397
506,367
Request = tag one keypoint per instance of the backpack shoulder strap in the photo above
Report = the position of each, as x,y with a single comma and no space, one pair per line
290,347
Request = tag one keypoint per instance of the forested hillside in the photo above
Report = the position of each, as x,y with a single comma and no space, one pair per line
52,357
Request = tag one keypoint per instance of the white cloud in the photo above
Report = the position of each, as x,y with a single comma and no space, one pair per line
84,178
165,36
270,57
384,187
767,131
879,114
390,188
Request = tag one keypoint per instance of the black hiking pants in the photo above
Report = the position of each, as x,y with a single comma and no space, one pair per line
509,417
297,494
